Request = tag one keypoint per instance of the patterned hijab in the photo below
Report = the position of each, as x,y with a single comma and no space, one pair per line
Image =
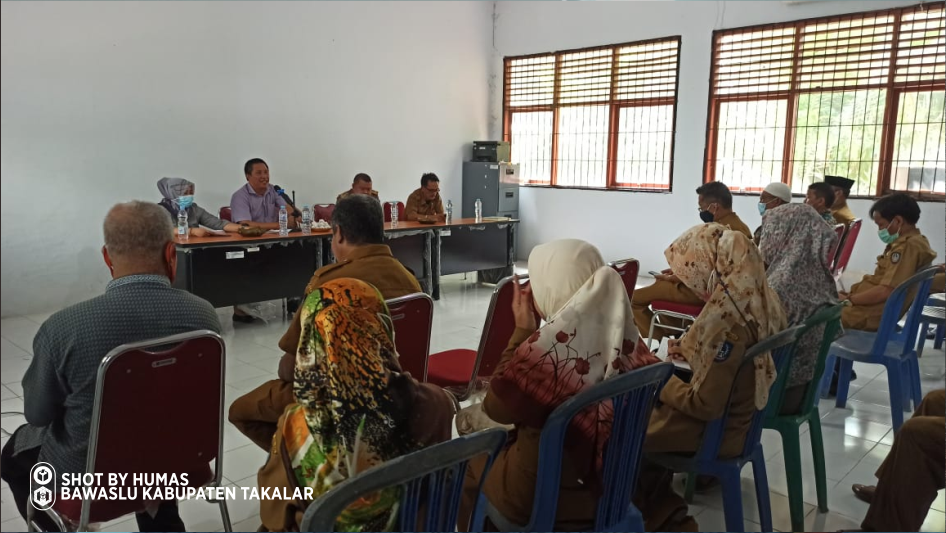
795,245
725,269
348,418
589,336
172,188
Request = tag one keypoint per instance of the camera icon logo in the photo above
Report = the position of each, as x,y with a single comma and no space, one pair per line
42,486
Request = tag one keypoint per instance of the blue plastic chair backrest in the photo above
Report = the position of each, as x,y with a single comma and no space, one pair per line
782,347
917,287
633,396
830,317
431,482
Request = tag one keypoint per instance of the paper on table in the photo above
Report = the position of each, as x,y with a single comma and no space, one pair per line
213,231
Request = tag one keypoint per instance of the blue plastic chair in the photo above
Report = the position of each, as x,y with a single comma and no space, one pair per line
431,482
934,313
633,395
889,346
706,460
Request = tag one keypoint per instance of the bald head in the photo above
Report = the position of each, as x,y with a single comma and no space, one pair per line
139,239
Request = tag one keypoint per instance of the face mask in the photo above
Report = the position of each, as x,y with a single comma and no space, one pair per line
762,208
706,216
886,237
185,201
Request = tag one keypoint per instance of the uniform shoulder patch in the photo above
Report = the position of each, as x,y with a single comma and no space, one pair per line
724,352
895,257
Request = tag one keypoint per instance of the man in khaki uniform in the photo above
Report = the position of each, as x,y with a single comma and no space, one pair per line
360,185
912,473
715,205
357,242
842,189
424,204
907,252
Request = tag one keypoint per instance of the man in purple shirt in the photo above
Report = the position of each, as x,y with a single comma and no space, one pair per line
257,203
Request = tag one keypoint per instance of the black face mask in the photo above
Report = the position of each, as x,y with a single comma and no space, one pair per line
706,216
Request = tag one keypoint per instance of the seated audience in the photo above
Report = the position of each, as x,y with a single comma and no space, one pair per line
821,196
257,203
178,194
360,252
795,247
912,473
774,195
353,409
360,185
842,189
139,304
585,307
715,205
425,204
725,269
907,252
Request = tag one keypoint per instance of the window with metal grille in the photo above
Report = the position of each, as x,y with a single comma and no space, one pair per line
600,118
858,95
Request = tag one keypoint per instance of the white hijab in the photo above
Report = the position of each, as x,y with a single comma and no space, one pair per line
558,269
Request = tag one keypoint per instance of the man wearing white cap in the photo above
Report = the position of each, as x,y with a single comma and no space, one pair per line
774,195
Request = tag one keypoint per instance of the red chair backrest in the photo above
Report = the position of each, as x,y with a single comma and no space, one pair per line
628,269
848,247
387,211
498,328
412,316
833,254
226,214
158,409
323,212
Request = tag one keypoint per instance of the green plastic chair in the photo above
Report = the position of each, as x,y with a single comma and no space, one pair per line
789,426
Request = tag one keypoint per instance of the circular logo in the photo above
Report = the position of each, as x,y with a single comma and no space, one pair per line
43,475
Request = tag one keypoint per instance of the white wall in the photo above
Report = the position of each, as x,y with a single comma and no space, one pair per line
101,99
642,225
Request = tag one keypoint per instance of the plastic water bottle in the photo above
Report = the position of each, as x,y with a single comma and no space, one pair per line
478,210
283,221
306,220
449,212
393,213
182,229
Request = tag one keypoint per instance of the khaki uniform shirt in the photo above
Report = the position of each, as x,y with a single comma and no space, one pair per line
372,263
418,207
900,260
735,223
843,215
348,193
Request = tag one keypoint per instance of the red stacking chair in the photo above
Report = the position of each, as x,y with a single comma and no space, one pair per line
684,312
323,212
458,370
413,317
226,214
387,211
628,269
848,247
165,396
833,254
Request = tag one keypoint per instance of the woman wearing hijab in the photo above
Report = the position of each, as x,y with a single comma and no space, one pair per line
725,269
795,245
589,335
178,193
354,410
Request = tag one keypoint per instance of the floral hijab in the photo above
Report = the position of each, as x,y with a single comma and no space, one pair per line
589,336
725,268
795,245
347,418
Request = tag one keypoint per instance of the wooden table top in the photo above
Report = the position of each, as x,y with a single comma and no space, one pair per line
322,233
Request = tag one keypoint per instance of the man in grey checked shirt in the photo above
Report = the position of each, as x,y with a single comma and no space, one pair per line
139,304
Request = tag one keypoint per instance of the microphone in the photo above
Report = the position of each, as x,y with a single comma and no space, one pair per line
282,193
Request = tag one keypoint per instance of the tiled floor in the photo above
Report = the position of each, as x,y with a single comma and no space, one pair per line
856,438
